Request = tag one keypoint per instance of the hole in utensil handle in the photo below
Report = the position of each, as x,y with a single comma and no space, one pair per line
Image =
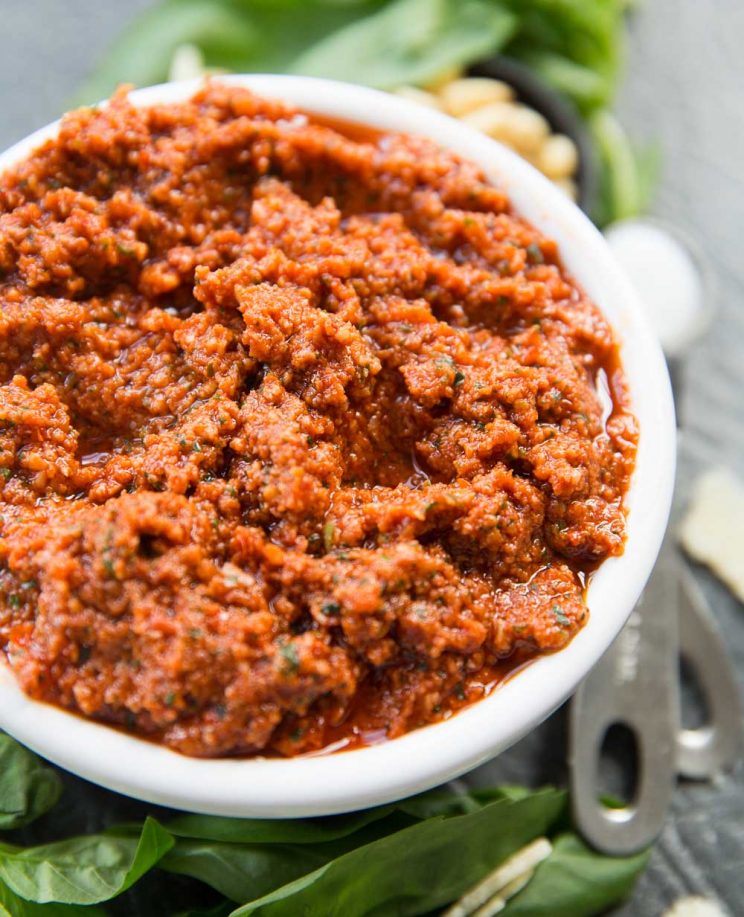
637,821
694,705
617,769
711,738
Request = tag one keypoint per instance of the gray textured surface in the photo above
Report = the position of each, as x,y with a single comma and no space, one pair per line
683,89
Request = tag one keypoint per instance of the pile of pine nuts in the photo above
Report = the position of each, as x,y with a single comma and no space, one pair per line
490,106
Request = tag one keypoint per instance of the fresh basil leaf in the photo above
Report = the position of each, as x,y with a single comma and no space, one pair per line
439,802
242,872
13,906
449,802
28,788
584,85
624,186
409,41
143,53
223,909
223,852
286,31
263,831
575,881
83,870
576,45
247,858
247,36
417,869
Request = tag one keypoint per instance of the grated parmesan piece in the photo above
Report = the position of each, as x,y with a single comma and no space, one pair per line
491,893
497,904
696,906
712,532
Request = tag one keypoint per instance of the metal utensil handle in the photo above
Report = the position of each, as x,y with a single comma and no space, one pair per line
635,684
717,745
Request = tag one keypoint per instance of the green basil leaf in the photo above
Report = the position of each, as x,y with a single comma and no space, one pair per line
589,32
223,909
143,53
224,852
587,87
263,831
28,788
13,906
575,881
409,41
288,29
447,802
248,36
242,872
83,870
417,869
247,858
624,187
576,45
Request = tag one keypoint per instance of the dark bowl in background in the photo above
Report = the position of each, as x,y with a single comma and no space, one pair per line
557,110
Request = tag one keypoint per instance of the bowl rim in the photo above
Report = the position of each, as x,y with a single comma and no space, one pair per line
328,784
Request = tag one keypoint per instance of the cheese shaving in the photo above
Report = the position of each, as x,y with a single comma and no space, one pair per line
497,904
509,878
712,532
696,906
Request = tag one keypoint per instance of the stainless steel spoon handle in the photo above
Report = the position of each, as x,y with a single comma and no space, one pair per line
635,684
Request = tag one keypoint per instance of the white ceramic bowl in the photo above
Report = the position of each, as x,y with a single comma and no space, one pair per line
428,756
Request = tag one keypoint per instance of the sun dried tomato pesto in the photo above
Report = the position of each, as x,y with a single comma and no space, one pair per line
302,435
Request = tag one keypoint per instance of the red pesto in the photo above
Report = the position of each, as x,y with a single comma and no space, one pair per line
302,432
